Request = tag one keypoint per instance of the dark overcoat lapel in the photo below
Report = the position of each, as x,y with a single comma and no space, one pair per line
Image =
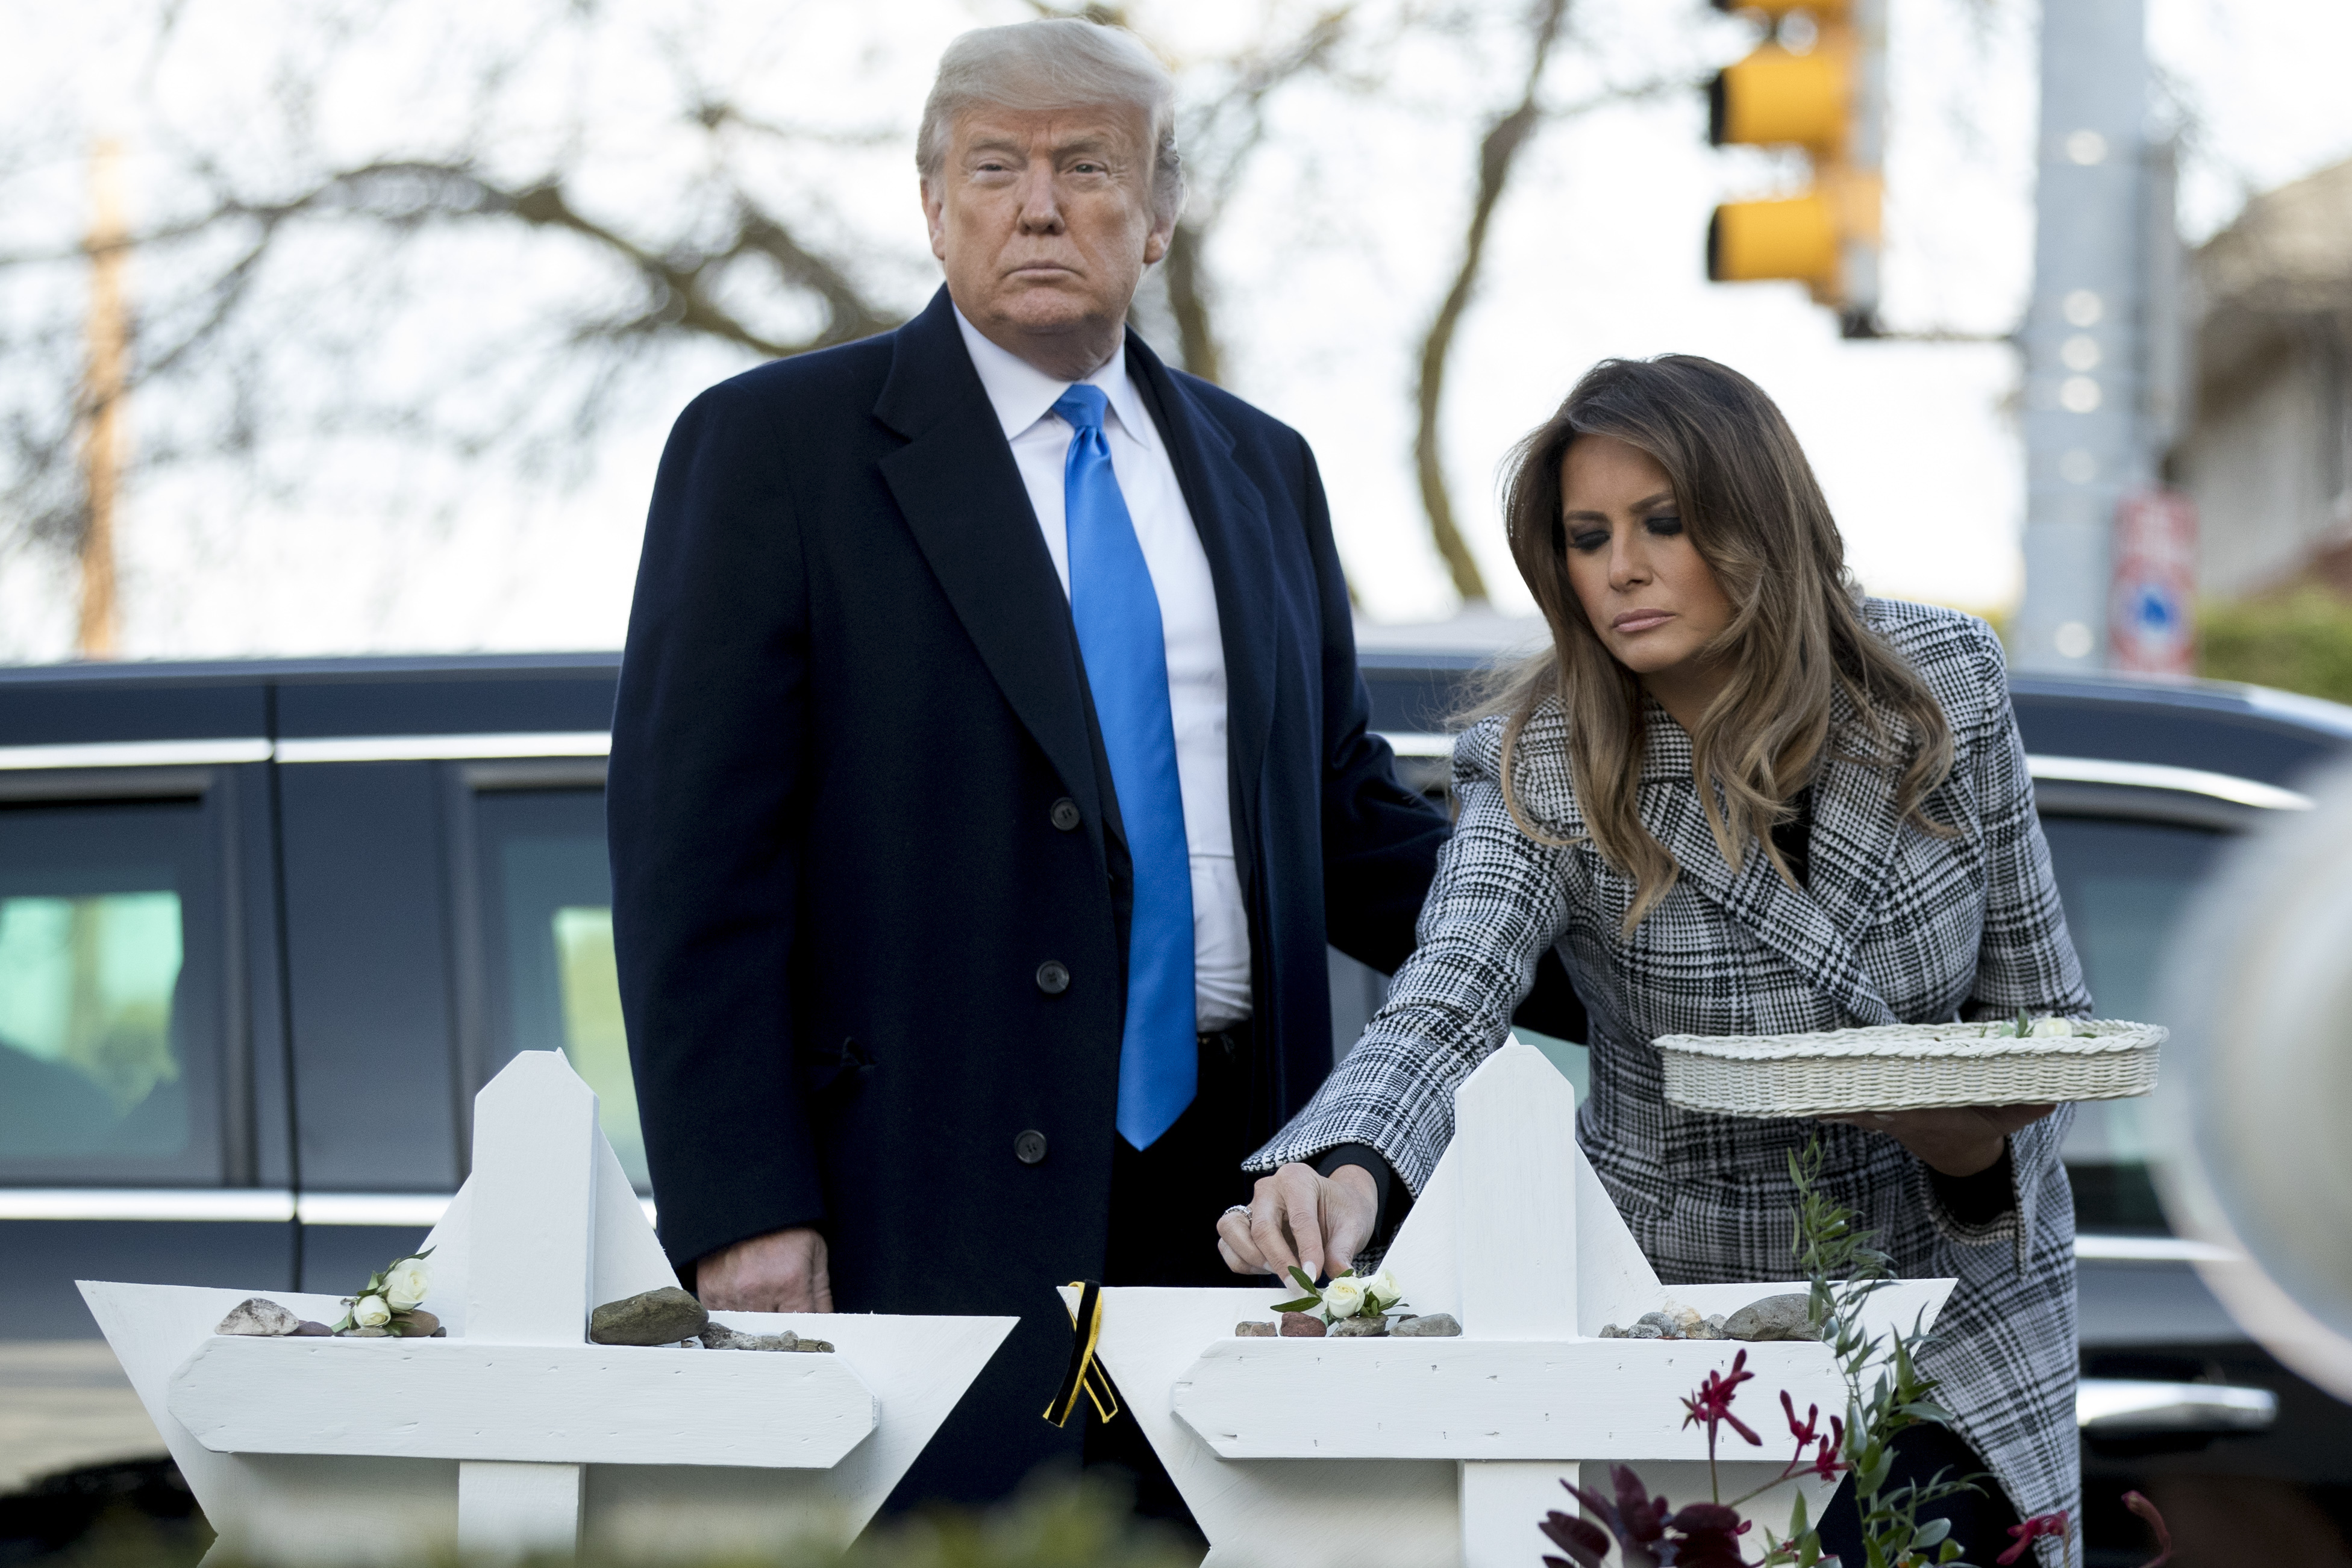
961,492
1230,514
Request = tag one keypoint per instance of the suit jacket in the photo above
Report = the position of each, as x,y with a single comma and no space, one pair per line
1895,925
861,954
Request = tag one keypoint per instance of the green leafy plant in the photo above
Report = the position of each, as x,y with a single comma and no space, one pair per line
1885,1393
2297,641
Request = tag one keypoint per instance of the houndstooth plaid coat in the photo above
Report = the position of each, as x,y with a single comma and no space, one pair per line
1898,925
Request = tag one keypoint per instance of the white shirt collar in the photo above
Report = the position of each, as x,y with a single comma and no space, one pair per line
1022,394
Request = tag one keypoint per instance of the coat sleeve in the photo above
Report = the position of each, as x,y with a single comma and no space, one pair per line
2025,957
710,756
1499,901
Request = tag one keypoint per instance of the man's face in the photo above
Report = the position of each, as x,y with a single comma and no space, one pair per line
1044,220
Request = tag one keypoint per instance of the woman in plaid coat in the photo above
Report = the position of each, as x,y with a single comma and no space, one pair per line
1868,853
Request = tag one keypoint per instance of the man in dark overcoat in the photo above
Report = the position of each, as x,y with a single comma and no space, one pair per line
990,770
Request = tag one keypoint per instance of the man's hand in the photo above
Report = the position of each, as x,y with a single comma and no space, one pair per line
782,1271
1300,1217
1957,1140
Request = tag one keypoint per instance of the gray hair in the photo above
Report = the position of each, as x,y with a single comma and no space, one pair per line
1056,63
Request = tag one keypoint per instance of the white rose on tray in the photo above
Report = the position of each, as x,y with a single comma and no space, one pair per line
1385,1290
405,1282
1344,1297
2053,1027
370,1311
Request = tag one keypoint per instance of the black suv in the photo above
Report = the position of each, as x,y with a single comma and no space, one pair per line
264,928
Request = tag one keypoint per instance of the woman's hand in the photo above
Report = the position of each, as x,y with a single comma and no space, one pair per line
1300,1217
1955,1140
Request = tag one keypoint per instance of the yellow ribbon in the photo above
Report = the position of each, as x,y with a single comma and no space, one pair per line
1085,1372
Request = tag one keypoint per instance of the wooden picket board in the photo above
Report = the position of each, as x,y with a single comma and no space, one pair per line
1475,1398
581,1403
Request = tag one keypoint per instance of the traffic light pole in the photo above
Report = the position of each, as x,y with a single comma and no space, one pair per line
2091,435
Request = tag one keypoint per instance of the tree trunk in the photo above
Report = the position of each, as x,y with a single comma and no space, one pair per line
109,332
1497,152
1188,301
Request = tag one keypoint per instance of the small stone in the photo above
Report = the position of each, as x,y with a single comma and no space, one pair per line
1685,1320
1253,1328
664,1316
1714,1325
1658,1321
310,1330
717,1335
814,1347
1302,1325
1645,1331
438,1333
1372,1326
368,1333
1773,1318
1436,1325
421,1324
1610,1331
258,1317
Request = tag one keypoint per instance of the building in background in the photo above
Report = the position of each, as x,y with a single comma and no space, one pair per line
2267,453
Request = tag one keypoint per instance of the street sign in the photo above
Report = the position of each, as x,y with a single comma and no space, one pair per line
2151,607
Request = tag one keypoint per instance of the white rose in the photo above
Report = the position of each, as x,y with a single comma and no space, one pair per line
2053,1027
405,1282
1344,1297
370,1313
1384,1290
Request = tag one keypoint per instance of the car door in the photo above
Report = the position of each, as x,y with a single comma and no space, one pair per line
2174,1401
142,1111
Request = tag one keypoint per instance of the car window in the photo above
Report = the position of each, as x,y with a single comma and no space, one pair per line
109,992
547,893
2125,885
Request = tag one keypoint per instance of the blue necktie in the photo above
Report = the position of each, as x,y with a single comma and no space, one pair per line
1118,616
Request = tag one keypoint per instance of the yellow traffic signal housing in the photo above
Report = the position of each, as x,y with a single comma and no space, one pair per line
1822,11
1807,238
1749,241
1828,101
1775,98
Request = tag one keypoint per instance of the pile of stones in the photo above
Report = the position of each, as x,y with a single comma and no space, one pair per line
1367,1325
1786,1317
258,1317
671,1316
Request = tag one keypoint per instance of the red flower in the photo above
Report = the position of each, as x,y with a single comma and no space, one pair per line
1712,1403
2146,1511
2032,1530
1826,1463
1708,1536
1802,1432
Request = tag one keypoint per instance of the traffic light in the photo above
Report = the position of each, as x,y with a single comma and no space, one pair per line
1825,96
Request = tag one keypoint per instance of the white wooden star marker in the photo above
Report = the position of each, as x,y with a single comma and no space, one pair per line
514,1434
1423,1453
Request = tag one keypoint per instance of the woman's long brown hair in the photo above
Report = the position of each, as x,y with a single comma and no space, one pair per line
1752,508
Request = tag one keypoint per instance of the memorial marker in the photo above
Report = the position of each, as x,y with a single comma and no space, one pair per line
514,1434
1423,1452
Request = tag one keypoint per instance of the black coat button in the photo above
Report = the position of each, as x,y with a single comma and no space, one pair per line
1052,979
1065,815
1029,1148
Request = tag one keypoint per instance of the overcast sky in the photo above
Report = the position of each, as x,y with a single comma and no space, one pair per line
1329,269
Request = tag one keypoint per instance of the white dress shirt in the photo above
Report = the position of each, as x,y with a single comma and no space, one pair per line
1024,398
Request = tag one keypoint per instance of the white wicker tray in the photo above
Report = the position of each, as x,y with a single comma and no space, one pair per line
1905,1067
